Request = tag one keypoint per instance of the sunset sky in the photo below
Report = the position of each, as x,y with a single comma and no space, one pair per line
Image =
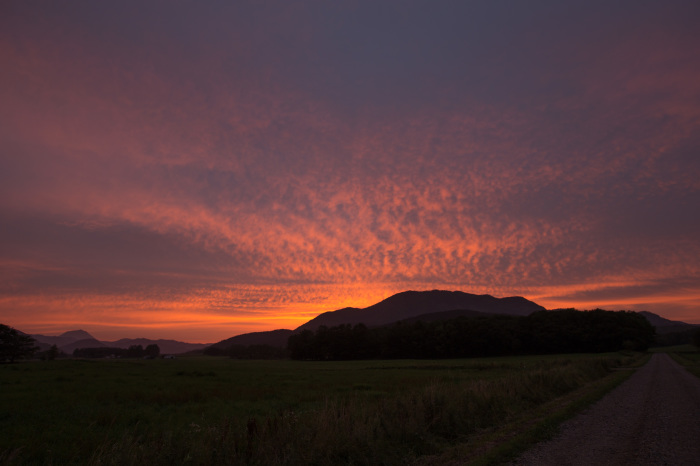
197,170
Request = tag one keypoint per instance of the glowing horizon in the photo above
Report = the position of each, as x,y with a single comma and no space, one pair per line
207,170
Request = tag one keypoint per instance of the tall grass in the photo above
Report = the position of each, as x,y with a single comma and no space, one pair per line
362,426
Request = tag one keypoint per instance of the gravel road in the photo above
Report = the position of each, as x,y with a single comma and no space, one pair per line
653,418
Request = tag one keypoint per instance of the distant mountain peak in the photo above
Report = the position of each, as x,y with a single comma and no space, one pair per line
409,304
658,321
77,335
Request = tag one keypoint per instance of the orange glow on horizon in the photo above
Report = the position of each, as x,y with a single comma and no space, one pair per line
204,320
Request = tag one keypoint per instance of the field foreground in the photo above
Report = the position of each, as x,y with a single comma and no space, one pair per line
222,411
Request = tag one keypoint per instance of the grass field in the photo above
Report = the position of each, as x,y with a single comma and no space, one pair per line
687,355
223,411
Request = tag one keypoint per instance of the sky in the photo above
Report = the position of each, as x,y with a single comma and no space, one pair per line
197,170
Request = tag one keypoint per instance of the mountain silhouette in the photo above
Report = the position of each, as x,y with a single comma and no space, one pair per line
664,325
409,304
276,338
428,305
445,315
44,342
75,335
86,343
73,339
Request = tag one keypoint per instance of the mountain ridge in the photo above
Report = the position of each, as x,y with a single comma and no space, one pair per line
410,303
349,315
665,326
403,306
407,306
74,339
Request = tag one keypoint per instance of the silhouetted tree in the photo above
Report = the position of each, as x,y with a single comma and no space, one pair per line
680,337
101,352
152,351
52,353
135,351
300,345
256,352
15,345
562,331
214,351
596,331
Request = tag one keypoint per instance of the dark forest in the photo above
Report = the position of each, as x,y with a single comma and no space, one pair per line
545,332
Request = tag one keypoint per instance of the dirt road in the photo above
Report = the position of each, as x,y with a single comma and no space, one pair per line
653,418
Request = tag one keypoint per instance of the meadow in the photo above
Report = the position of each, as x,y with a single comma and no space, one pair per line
206,410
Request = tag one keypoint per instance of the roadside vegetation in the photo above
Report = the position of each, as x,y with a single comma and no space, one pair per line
221,411
686,355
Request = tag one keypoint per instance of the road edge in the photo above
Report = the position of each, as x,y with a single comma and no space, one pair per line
508,442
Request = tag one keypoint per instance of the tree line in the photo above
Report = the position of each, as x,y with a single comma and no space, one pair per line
248,352
133,351
679,337
543,332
